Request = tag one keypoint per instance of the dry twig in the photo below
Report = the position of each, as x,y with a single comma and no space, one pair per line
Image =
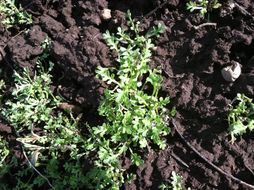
208,162
154,10
242,10
179,160
205,24
37,171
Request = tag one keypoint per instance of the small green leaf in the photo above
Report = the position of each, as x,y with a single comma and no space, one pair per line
136,159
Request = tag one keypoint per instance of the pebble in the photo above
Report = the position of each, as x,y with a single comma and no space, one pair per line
106,14
231,72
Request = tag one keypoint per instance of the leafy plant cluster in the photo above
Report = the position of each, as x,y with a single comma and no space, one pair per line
51,141
202,6
241,116
45,133
12,15
135,114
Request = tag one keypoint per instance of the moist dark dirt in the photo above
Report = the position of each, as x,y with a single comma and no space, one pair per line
190,58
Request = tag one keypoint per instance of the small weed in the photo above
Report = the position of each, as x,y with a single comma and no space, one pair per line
135,117
45,134
175,184
46,45
203,6
13,15
241,116
32,101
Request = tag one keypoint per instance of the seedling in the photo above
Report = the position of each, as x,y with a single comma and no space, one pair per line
203,6
12,15
241,116
174,184
135,117
133,114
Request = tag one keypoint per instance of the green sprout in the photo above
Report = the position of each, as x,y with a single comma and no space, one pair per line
133,114
241,116
202,6
174,184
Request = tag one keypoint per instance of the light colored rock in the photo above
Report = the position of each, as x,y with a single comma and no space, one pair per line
106,14
231,72
231,5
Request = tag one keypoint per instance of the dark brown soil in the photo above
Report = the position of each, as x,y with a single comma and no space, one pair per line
191,60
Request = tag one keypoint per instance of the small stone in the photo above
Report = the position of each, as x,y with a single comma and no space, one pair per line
232,72
106,14
231,5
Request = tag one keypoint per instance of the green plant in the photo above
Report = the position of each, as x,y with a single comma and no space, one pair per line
135,114
175,184
241,116
4,146
4,152
176,181
12,15
46,45
32,101
45,133
202,6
